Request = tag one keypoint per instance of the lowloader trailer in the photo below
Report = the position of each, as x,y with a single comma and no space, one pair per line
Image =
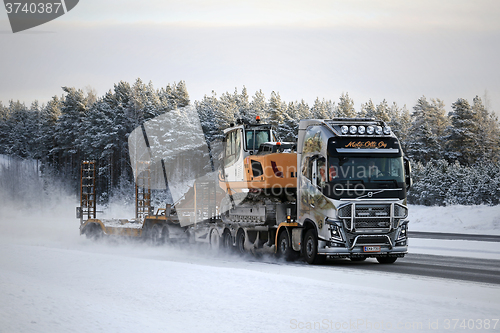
340,191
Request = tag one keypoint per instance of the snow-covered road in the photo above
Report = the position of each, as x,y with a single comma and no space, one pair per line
53,280
133,287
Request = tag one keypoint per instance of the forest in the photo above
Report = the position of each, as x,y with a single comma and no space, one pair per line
455,155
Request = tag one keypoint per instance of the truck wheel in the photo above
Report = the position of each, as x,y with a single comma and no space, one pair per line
215,241
226,240
93,231
387,260
156,238
311,249
285,247
165,235
240,242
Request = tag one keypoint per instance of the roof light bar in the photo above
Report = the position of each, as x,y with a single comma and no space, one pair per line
365,130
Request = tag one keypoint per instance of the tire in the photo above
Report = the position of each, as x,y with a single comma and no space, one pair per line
155,235
285,247
93,231
311,249
215,240
226,240
387,260
165,235
358,259
240,242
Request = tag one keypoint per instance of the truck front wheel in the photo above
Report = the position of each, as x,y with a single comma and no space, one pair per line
311,249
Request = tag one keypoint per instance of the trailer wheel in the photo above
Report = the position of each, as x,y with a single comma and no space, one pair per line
240,242
226,240
387,260
165,235
156,237
215,240
93,231
311,249
284,247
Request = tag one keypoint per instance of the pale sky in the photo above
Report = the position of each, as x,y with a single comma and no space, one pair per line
394,50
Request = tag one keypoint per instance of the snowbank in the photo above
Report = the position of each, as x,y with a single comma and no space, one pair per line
456,219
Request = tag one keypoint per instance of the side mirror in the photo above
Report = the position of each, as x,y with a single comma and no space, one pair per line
408,179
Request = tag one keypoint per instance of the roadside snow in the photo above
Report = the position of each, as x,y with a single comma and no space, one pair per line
455,248
456,219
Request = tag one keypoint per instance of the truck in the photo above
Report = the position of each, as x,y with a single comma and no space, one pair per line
340,191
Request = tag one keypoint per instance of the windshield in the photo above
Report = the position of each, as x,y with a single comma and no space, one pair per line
358,176
254,138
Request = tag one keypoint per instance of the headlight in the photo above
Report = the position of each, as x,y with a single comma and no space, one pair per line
378,130
387,130
335,233
344,129
403,233
353,129
361,130
370,130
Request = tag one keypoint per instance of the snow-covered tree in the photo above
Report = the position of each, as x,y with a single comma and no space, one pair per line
488,131
462,133
258,105
367,110
400,124
345,108
428,130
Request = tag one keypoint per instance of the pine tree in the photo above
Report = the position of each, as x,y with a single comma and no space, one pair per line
227,112
488,144
288,129
463,133
181,94
49,117
258,105
19,136
367,110
243,105
428,130
400,124
208,112
304,112
320,109
69,132
4,128
345,108
276,109
382,112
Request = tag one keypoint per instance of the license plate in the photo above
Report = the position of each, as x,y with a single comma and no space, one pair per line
371,249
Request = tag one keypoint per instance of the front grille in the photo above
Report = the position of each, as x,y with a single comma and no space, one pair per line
373,211
373,240
375,216
372,223
345,211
